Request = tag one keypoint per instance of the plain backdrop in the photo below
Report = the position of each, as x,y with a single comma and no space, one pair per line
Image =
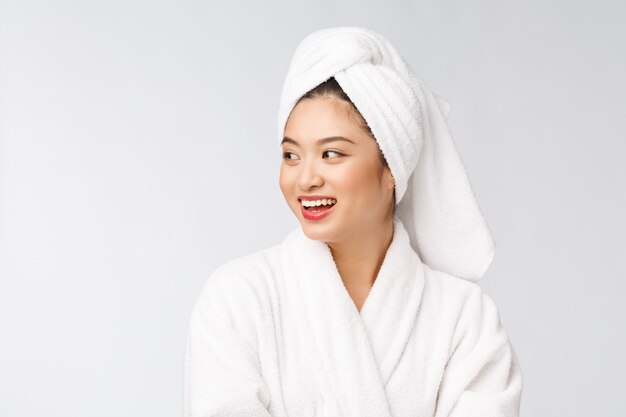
139,151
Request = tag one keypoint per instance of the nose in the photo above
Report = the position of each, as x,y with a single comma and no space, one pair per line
310,176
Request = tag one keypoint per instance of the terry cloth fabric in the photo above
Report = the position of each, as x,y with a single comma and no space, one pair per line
434,196
275,333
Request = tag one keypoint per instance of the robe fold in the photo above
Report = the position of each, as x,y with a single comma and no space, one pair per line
275,333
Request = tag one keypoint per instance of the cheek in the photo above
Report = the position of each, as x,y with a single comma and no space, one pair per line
360,184
355,179
286,182
282,184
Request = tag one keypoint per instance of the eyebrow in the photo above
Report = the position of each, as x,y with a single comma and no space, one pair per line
322,141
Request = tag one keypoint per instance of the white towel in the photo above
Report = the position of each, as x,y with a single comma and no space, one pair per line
433,194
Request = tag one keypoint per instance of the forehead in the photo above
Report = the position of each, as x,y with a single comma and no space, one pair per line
312,119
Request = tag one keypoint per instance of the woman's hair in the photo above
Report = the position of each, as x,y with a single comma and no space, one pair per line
331,89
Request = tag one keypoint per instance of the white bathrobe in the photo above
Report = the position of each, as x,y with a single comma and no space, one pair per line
275,333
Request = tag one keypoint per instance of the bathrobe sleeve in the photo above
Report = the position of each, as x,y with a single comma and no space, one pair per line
482,377
222,374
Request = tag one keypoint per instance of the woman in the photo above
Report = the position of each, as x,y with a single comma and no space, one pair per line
370,307
350,167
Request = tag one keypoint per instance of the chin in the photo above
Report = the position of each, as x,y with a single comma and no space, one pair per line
316,231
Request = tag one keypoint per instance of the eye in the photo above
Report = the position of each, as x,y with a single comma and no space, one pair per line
286,155
335,152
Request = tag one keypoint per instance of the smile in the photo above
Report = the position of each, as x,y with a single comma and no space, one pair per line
317,209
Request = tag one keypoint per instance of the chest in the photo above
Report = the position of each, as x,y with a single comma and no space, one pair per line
304,385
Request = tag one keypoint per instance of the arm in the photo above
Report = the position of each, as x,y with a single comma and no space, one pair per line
222,373
482,377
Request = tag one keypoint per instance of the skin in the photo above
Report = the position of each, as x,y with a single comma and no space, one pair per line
360,229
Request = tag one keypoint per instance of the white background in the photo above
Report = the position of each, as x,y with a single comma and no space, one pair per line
138,151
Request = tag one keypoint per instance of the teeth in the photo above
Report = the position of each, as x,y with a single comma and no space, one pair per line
323,202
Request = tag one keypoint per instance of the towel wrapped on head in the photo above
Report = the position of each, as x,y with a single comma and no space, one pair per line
433,193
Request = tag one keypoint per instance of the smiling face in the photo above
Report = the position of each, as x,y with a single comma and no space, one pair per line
347,170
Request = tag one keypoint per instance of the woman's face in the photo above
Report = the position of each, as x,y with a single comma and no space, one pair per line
348,171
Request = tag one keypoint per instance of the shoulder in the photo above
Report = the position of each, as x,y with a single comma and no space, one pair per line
465,301
246,269
449,287
470,312
240,281
240,292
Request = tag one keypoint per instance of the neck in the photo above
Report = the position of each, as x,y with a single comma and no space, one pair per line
360,257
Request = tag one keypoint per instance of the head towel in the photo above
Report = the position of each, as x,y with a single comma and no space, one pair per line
434,197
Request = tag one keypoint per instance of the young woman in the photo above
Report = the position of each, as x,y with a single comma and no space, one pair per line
370,307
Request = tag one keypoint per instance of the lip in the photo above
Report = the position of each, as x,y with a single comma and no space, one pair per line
312,215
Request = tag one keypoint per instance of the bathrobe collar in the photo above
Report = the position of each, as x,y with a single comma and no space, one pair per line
355,352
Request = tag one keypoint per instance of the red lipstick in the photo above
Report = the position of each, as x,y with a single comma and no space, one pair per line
319,212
